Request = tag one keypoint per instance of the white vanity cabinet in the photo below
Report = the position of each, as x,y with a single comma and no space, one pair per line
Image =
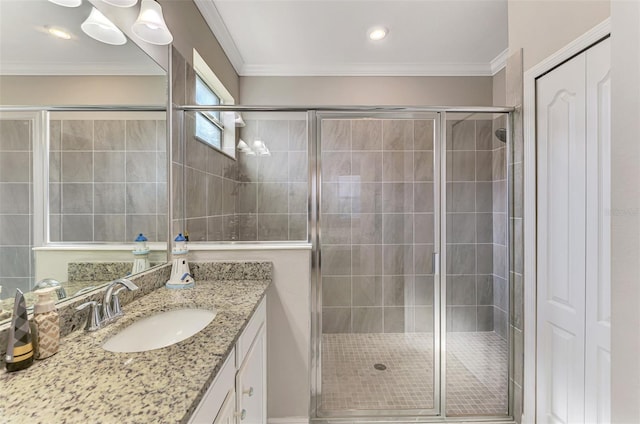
238,394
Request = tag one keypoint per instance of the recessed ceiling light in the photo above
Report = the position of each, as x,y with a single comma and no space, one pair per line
378,33
59,33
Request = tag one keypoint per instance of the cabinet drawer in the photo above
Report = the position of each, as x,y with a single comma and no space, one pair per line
215,396
250,332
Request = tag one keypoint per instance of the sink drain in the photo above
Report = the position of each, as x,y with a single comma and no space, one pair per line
380,367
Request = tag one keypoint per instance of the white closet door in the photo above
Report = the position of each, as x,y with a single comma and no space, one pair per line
560,108
598,283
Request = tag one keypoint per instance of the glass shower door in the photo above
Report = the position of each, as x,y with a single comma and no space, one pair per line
378,232
476,298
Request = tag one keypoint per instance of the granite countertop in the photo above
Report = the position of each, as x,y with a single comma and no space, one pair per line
84,383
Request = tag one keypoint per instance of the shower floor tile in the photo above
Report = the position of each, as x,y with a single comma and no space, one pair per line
476,371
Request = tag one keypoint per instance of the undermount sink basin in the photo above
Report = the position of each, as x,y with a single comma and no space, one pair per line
160,330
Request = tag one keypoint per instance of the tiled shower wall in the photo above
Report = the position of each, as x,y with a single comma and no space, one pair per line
249,198
16,209
107,180
272,190
377,226
476,223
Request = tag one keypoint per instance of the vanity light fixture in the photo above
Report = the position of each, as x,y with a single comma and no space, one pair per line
150,25
121,3
243,147
98,27
59,33
378,33
67,3
259,148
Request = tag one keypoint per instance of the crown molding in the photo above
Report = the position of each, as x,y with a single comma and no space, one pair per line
213,18
74,68
369,69
499,62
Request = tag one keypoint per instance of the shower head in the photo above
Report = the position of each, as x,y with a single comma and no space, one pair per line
501,134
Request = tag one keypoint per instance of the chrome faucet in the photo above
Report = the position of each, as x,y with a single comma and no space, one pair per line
110,306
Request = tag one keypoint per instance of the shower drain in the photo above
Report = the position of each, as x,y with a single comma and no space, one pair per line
380,367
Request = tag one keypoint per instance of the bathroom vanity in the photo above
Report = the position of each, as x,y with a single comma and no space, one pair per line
217,375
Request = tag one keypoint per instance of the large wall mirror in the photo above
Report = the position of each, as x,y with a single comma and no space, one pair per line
82,153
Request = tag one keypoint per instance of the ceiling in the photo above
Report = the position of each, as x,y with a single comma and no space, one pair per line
329,37
27,49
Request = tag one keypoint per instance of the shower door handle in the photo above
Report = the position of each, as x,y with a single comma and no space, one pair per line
436,264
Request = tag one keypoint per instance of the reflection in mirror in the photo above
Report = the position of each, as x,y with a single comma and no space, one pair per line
76,188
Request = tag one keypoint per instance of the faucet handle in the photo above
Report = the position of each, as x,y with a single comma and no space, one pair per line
94,322
116,309
111,301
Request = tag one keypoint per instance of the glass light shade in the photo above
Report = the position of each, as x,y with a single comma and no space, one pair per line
67,3
98,27
242,146
150,25
239,121
121,3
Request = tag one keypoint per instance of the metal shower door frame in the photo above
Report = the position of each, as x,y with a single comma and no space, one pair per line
438,413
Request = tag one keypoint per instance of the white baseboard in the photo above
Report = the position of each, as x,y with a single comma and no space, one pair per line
289,420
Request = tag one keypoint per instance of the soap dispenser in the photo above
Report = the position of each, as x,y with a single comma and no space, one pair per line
46,324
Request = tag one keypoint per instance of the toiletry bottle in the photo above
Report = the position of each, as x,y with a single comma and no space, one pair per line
19,348
46,324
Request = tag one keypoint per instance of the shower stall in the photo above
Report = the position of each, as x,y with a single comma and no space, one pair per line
407,211
411,267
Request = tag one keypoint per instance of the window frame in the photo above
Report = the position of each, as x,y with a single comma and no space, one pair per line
211,117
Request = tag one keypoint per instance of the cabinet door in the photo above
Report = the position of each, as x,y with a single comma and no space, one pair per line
251,383
227,412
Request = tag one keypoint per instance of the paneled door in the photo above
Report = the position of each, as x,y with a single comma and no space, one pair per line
573,240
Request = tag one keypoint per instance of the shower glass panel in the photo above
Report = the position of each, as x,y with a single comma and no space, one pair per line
251,187
378,183
476,263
